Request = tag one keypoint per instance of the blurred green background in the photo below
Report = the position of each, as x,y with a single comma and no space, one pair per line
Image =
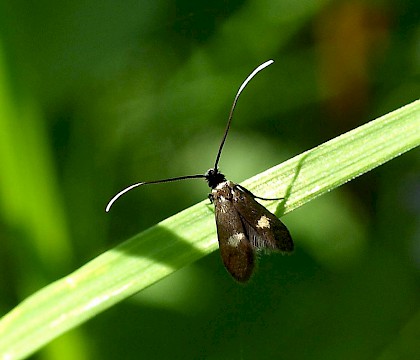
96,95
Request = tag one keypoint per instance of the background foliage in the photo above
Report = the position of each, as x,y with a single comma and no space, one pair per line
97,95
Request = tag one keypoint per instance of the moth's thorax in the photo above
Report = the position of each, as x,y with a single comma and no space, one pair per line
224,190
224,195
224,184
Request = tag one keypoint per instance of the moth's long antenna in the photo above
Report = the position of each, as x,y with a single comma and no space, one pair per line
199,176
245,83
127,189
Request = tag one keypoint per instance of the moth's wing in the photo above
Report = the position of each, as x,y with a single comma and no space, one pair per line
235,248
265,230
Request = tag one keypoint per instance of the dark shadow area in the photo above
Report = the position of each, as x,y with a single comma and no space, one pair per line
280,206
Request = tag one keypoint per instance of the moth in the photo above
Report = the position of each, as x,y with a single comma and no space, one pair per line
244,226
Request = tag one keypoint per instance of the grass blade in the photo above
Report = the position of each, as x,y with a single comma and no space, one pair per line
190,234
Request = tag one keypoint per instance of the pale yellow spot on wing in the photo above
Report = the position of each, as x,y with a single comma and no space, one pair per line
263,222
235,239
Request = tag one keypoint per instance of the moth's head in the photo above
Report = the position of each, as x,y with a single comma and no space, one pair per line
214,177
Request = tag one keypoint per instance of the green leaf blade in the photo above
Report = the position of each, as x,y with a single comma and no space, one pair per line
190,234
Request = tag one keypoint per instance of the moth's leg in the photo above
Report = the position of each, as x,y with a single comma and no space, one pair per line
255,196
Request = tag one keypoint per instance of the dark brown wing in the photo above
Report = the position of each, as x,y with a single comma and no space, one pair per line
235,248
265,230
